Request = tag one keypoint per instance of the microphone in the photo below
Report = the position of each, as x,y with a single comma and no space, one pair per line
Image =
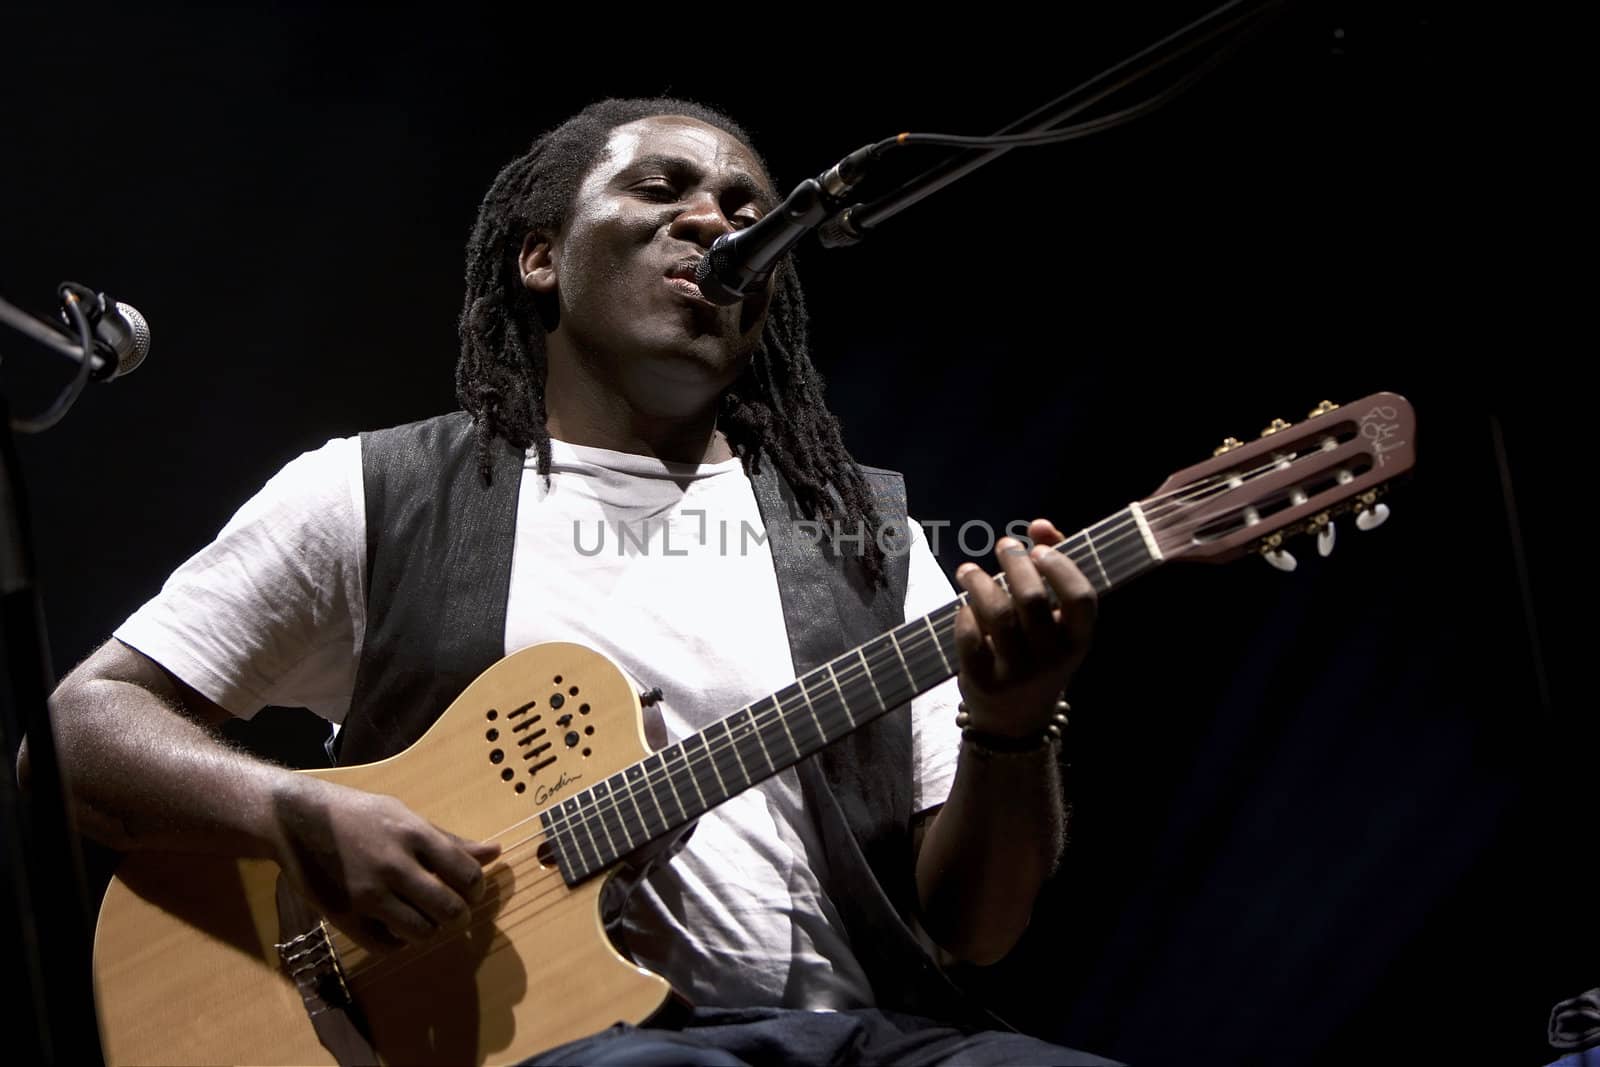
120,334
119,337
738,263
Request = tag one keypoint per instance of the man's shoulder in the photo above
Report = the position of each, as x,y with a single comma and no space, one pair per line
452,425
428,447
888,487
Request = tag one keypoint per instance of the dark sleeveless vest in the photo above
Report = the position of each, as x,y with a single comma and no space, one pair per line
439,545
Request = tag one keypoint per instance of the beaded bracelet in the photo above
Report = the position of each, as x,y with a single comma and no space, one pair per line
1001,745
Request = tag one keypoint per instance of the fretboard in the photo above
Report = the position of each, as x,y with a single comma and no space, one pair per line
593,829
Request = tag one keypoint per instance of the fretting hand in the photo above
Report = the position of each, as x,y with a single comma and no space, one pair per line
1016,650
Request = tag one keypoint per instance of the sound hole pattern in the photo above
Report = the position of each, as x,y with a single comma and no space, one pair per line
531,732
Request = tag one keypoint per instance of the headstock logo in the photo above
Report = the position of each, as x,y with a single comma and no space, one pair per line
1380,427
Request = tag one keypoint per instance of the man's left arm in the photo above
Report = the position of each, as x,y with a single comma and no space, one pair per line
986,852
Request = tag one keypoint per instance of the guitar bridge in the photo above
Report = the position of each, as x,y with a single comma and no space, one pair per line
309,960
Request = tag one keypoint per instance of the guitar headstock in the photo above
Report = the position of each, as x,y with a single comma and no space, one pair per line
1295,479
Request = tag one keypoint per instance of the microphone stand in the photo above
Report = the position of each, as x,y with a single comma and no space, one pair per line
38,829
853,223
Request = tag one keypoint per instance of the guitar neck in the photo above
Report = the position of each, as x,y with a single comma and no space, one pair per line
593,829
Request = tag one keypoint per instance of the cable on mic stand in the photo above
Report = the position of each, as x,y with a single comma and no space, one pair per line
72,296
1041,126
738,263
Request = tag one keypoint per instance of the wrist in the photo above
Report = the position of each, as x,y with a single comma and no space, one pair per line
1002,742
291,802
1001,746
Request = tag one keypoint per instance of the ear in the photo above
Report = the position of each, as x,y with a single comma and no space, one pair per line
537,263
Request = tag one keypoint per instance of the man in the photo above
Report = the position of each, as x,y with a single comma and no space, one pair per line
602,388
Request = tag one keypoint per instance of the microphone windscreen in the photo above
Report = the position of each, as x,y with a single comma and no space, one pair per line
132,338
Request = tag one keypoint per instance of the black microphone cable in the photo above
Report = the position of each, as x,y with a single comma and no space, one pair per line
71,303
736,263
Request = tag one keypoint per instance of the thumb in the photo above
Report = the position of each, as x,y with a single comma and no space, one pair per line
1044,532
482,851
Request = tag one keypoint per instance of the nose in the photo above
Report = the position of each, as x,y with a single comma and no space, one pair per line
701,220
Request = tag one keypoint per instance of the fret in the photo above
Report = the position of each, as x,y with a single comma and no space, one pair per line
637,832
659,773
1105,579
636,782
893,692
727,735
704,756
624,782
843,701
688,772
783,717
558,842
857,690
928,619
574,813
903,664
806,740
866,670
821,730
926,661
743,727
598,812
761,739
725,758
634,834
770,723
1136,549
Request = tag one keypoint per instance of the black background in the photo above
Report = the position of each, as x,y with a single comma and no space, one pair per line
1325,818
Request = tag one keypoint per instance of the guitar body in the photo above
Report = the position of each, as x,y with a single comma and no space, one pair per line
186,964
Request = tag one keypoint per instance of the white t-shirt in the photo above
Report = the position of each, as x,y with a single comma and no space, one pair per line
661,567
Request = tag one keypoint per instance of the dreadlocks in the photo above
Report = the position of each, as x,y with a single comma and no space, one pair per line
776,407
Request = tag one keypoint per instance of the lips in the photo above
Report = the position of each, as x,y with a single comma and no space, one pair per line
681,278
685,268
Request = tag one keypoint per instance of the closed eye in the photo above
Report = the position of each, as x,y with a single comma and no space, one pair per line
657,189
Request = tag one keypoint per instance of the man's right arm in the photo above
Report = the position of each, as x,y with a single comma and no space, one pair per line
147,770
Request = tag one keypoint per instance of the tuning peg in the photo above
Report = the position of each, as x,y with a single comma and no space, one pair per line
1322,409
1228,445
1325,541
1280,559
1373,517
1277,424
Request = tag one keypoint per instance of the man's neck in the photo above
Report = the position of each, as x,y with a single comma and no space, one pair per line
583,410
673,443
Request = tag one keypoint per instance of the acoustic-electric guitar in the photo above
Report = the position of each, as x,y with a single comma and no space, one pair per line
208,960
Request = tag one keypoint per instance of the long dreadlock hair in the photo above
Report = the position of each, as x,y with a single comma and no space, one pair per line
776,407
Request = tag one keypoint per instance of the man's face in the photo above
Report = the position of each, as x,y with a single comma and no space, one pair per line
622,266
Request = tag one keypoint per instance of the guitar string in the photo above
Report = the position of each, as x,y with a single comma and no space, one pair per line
642,822
695,761
365,970
707,753
792,707
629,824
593,812
599,808
532,900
